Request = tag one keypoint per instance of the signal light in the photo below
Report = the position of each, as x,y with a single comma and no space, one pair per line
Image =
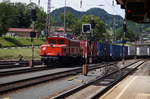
129,11
135,11
92,22
32,34
86,28
33,15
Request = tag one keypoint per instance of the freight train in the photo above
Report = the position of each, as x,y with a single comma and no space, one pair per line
65,50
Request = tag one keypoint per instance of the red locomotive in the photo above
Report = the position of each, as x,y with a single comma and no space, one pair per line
60,49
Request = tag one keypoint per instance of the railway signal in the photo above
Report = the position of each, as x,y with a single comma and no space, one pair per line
135,11
33,33
86,28
92,22
34,14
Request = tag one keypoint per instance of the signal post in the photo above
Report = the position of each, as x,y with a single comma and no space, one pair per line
33,33
123,40
87,30
85,65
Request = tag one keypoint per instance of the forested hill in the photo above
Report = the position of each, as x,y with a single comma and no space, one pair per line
105,16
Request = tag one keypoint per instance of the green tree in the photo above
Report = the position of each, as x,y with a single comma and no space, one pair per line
76,25
18,15
23,17
41,20
147,29
99,30
7,17
129,36
70,19
41,17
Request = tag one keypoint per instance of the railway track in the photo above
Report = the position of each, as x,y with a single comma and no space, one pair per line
13,68
14,47
17,84
25,69
16,71
105,83
16,64
21,70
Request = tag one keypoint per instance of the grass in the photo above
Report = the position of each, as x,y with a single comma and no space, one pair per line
9,41
13,54
4,42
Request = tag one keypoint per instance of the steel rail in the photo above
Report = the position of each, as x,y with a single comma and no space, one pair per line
15,64
26,70
10,86
100,93
77,89
21,71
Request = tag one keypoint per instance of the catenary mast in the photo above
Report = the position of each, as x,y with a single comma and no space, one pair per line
48,17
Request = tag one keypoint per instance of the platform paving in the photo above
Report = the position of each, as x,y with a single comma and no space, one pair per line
136,86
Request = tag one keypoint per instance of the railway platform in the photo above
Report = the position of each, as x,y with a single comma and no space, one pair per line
135,86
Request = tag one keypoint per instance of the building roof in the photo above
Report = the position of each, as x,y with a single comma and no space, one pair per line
61,29
20,30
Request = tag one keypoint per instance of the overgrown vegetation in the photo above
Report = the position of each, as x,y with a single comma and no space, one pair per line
9,54
134,29
76,25
18,15
10,42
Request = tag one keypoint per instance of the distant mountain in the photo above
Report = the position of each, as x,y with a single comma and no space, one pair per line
106,17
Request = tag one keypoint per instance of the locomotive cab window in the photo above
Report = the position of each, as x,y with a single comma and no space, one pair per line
61,41
52,41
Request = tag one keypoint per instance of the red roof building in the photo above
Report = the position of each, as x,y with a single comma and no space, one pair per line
61,29
19,32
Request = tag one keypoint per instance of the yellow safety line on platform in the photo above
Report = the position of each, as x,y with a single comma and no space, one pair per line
115,87
6,98
142,96
125,88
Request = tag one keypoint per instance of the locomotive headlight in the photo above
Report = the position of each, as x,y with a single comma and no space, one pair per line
44,48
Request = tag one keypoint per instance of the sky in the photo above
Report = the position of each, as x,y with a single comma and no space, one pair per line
86,4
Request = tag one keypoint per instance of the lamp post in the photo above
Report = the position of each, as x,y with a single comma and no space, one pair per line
123,40
114,23
47,25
